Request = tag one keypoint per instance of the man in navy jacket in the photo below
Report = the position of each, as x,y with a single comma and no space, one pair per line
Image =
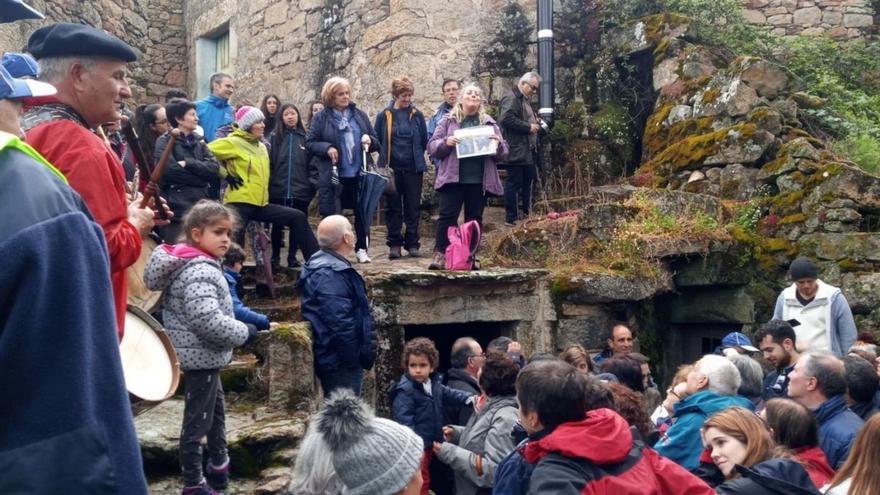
334,301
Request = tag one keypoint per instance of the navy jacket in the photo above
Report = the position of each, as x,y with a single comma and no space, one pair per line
838,427
67,424
243,313
419,136
334,301
293,175
423,413
772,477
323,135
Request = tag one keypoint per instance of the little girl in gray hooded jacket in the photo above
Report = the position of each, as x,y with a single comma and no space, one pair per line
198,317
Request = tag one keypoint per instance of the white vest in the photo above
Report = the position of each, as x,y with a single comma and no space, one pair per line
813,333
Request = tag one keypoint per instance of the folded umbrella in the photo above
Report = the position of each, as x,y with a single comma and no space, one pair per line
371,187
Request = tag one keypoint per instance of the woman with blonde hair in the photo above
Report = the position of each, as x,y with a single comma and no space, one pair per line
334,140
463,182
577,356
740,445
859,474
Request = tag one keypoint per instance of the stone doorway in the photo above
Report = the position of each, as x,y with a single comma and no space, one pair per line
445,335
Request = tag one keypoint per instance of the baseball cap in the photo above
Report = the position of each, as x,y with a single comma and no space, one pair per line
20,65
737,339
12,88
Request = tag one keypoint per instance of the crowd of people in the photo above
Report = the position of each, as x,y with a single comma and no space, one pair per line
497,423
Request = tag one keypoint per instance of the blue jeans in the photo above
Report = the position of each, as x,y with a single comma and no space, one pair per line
350,379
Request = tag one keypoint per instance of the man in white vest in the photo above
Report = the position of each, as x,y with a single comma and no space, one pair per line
825,322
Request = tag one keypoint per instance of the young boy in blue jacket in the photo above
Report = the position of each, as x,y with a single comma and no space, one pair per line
419,396
232,264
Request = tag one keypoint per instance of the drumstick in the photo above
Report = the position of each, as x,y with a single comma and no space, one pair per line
143,162
156,176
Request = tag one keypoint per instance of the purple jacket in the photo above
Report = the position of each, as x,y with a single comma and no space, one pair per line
448,171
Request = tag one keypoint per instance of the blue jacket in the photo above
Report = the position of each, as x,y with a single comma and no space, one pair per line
435,119
384,124
771,477
213,112
423,413
243,313
67,424
334,301
321,137
682,441
514,472
838,427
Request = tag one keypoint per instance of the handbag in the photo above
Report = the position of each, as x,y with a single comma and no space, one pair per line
386,172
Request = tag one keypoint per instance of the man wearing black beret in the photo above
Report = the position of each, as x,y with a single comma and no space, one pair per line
89,69
824,319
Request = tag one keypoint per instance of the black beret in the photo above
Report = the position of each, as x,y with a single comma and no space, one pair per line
69,40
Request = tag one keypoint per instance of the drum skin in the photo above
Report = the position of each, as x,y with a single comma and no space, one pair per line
149,362
138,293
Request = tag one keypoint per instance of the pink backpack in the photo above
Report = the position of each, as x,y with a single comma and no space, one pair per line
463,244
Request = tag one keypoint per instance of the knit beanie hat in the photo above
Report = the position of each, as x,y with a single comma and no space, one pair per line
247,116
802,268
372,456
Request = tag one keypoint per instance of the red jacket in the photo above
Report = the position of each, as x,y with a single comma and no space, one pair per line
599,456
816,465
95,172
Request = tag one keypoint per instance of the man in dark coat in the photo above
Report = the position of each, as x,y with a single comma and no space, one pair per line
466,359
520,128
62,374
818,381
334,301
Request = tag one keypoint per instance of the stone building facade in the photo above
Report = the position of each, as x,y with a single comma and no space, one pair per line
290,47
153,27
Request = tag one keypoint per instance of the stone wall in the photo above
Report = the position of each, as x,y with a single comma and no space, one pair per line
840,19
153,27
290,47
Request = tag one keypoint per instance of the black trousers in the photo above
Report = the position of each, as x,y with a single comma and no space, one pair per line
452,198
520,180
204,415
348,198
403,208
278,231
300,231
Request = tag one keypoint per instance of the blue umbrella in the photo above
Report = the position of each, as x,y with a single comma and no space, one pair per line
371,186
15,10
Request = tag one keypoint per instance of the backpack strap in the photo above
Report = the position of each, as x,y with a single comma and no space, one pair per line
474,227
389,123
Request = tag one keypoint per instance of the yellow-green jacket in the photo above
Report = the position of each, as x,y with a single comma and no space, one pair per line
246,157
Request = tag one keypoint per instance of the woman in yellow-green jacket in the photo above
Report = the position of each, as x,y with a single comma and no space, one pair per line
247,166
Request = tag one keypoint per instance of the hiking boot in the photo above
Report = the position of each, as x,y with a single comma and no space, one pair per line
394,252
200,489
362,257
218,477
414,253
438,262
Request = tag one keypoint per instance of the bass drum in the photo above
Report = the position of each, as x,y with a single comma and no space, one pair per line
149,362
138,293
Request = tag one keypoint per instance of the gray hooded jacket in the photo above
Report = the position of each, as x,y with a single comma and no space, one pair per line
486,436
198,308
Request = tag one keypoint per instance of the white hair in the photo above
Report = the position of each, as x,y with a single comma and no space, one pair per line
530,76
751,375
331,231
54,69
313,472
723,376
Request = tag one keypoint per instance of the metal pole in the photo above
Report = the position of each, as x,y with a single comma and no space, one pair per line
545,60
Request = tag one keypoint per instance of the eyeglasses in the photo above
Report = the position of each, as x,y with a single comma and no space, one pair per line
534,88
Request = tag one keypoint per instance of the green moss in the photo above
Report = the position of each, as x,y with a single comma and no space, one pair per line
692,152
795,218
711,95
775,244
659,26
295,334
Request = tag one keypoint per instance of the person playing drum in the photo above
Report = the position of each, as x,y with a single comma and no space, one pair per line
199,319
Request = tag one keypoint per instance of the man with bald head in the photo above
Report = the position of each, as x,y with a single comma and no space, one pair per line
466,360
334,301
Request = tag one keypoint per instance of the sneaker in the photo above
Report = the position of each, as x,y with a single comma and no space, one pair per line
414,253
362,257
438,262
293,263
394,252
200,489
218,477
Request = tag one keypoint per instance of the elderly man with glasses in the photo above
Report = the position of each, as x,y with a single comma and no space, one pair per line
520,128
